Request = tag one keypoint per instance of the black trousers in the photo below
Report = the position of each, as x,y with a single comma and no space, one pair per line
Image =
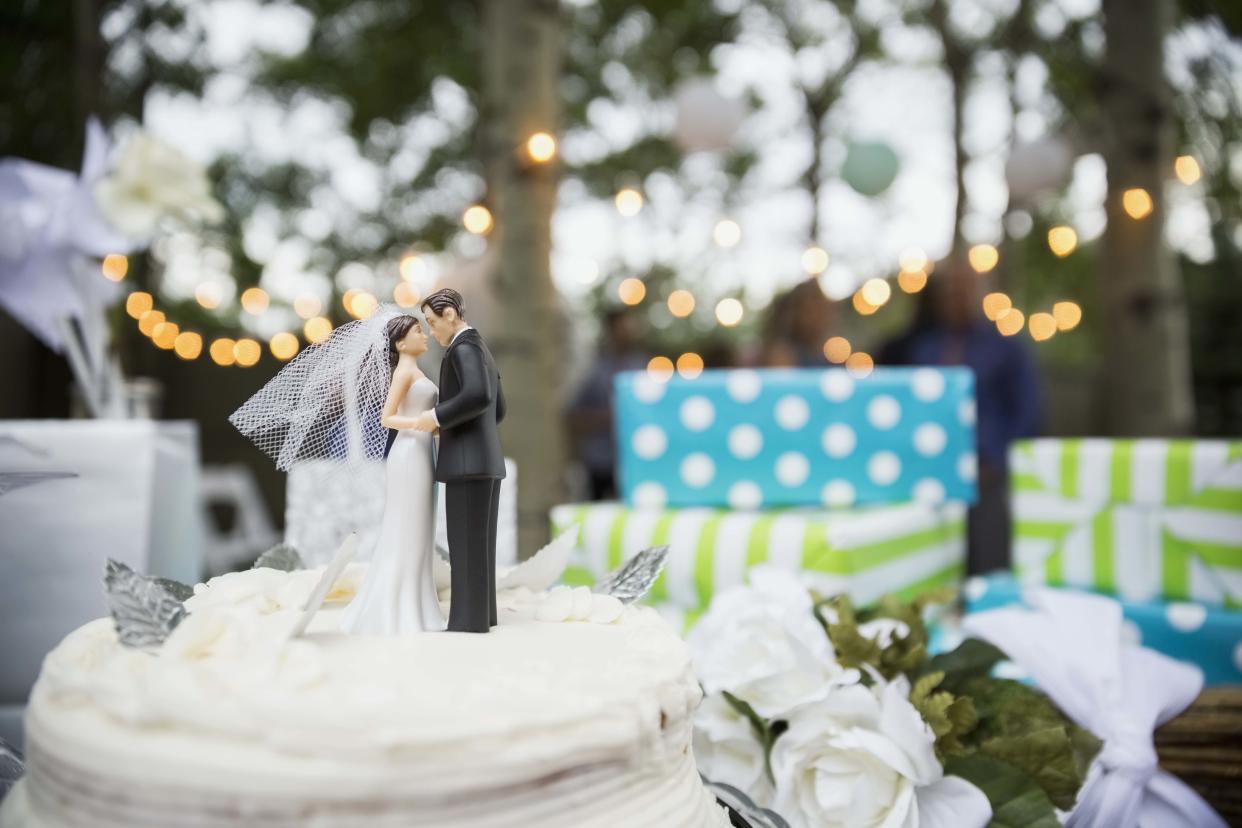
470,510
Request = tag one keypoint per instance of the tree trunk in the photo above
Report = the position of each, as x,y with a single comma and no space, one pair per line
1147,380
522,62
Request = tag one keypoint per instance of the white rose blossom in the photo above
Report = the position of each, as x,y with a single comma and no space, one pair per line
864,757
726,749
763,644
152,180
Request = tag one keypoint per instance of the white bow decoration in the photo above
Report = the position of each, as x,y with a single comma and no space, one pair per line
1071,646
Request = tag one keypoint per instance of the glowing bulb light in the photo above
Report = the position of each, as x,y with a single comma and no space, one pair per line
629,201
284,346
114,267
1062,240
1010,322
912,281
689,365
148,321
307,306
247,352
364,305
405,295
1137,203
1042,326
729,312
815,260
209,295
631,291
165,335
254,300
1067,315
138,303
876,292
860,364
317,329
983,257
412,267
1187,169
222,352
477,219
660,368
188,345
681,303
995,304
541,147
837,349
912,260
862,305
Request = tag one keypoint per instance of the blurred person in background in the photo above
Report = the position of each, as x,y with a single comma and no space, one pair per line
949,328
799,321
589,414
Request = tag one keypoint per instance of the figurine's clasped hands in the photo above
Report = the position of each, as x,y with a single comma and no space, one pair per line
425,422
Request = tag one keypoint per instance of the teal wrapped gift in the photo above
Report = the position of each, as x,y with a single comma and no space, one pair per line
745,439
1206,636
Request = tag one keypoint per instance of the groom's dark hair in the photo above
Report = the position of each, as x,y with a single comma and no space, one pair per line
445,298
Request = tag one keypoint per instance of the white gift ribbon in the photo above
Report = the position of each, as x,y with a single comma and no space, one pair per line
1071,645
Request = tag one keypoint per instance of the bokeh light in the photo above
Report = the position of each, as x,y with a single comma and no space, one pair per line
631,291
983,257
148,321
1062,240
114,267
727,233
1042,326
138,303
284,346
729,312
405,295
815,260
629,201
862,305
837,349
1187,169
209,295
1137,203
912,281
689,365
541,147
912,260
876,292
412,267
247,352
165,335
188,345
254,300
317,329
307,306
222,351
681,303
994,304
660,368
1010,322
477,219
860,364
1067,315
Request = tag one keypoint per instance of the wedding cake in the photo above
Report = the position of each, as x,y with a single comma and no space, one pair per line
575,711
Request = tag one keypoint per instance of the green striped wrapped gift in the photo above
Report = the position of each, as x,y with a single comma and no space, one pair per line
1142,519
865,552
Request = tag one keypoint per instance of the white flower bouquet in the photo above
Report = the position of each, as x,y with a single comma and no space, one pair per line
833,716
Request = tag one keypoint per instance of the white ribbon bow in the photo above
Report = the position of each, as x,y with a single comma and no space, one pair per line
1071,645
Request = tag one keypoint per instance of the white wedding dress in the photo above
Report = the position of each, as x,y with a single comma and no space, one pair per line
398,593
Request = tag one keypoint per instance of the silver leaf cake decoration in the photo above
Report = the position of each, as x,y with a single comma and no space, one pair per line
630,581
282,556
145,610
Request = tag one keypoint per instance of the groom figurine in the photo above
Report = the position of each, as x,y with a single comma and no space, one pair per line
470,462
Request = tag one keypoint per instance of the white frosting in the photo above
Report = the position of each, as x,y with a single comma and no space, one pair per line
545,721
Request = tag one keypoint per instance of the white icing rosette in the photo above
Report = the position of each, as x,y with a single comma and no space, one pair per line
762,644
864,757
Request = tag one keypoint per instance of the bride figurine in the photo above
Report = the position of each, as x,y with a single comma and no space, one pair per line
336,400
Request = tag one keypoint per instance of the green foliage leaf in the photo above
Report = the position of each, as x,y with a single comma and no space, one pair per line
971,659
949,717
1017,800
1021,726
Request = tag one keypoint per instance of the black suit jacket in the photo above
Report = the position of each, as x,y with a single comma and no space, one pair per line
471,405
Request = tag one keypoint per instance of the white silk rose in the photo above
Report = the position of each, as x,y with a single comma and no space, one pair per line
763,644
864,757
152,180
727,750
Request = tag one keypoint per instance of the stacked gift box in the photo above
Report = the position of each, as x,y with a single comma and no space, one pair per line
1155,523
860,483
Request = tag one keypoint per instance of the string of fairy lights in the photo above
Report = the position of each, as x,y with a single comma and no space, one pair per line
914,268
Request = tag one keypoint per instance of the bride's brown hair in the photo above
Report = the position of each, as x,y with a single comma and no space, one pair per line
398,327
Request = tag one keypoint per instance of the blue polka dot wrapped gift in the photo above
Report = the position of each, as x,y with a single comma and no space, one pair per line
860,483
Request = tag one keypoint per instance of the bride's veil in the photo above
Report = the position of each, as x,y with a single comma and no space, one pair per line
325,404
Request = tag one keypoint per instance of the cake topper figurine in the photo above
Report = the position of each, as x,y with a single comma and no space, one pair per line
471,463
360,396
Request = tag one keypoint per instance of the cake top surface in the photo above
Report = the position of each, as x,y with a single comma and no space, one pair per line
230,671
